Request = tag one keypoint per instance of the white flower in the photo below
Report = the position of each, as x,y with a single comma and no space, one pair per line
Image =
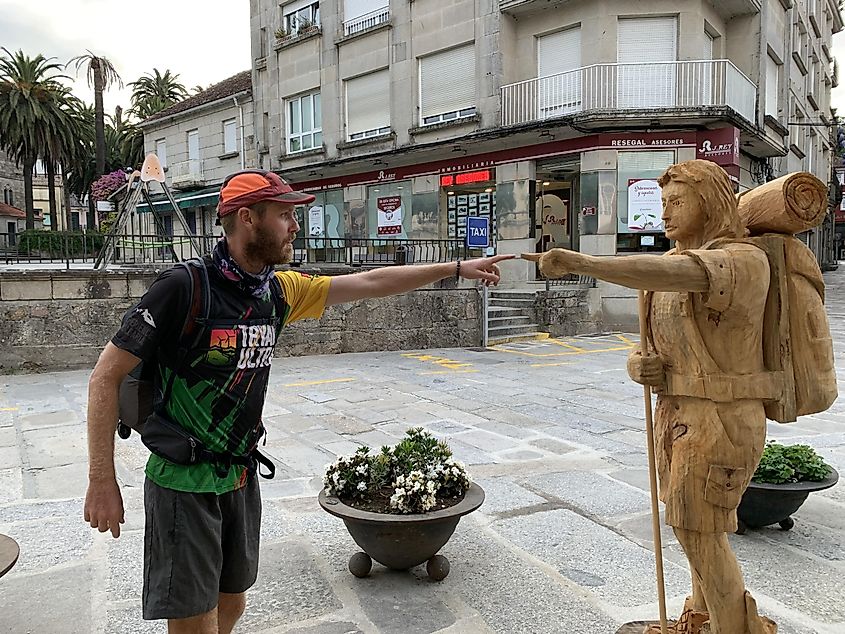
362,469
362,486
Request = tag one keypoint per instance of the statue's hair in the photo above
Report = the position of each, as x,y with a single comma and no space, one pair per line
715,194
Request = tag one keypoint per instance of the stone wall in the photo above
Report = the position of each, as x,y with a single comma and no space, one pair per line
61,320
569,311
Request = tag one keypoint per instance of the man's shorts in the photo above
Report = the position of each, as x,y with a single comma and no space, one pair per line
197,545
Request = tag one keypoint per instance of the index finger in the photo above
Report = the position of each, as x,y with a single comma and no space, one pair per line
504,256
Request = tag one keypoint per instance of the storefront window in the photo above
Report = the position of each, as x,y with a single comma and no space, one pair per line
469,194
639,208
321,233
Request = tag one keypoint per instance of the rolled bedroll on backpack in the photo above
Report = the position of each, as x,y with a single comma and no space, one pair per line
789,204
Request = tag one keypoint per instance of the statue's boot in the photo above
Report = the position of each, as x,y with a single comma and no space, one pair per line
754,623
689,622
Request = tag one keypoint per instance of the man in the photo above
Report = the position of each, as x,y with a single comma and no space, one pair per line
706,324
202,520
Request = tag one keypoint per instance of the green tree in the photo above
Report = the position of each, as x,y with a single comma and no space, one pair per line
101,76
154,91
31,98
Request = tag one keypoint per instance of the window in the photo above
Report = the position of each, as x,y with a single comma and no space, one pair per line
193,145
304,123
359,15
652,40
447,85
772,86
368,105
230,136
262,44
811,151
301,15
632,167
161,151
558,55
9,196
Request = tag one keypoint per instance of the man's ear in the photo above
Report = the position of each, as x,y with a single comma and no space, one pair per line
245,215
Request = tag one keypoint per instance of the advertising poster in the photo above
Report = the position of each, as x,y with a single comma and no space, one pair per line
315,221
644,205
389,215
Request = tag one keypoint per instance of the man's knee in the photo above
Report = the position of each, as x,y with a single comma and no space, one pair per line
201,624
231,606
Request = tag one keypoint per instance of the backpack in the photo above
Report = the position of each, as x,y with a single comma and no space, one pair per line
796,334
136,400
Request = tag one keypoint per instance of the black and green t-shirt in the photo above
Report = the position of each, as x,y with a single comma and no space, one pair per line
218,391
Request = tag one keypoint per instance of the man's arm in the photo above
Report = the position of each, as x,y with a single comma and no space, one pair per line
646,272
401,279
103,502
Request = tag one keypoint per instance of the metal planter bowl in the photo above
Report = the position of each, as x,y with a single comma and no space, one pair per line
764,504
400,542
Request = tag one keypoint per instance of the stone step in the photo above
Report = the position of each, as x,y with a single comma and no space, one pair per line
510,320
508,329
504,311
513,294
512,302
531,336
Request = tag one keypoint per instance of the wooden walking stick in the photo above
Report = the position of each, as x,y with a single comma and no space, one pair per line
652,473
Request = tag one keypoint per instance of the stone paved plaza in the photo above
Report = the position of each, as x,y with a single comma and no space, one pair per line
552,430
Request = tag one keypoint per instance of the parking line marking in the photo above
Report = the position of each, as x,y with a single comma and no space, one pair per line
564,354
448,372
305,383
8,409
548,365
557,342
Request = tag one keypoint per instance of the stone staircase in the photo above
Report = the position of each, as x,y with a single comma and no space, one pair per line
511,316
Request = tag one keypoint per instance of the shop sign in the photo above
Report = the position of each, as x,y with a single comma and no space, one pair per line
647,140
315,221
840,216
389,215
465,178
645,207
478,232
386,176
720,146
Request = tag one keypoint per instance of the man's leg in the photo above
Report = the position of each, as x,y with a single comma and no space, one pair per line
229,610
720,581
200,624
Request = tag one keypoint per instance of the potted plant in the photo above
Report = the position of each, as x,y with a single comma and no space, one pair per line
305,26
402,504
282,34
786,475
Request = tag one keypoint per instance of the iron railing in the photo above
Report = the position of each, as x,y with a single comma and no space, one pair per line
571,279
640,86
136,248
366,21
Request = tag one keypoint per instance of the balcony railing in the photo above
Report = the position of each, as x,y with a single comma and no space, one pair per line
619,87
187,173
376,251
366,21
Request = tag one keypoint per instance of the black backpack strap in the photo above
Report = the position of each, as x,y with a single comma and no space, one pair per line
277,294
197,315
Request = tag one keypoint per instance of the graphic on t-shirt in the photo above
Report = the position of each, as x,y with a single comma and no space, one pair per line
223,346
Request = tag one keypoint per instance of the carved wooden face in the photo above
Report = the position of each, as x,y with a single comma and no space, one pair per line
682,213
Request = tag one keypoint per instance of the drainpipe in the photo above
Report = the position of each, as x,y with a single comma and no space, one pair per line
241,116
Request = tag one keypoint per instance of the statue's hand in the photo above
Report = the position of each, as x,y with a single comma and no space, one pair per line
557,262
646,369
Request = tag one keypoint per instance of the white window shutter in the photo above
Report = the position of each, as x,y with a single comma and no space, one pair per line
559,89
772,87
559,52
447,81
356,8
646,41
368,102
230,136
293,7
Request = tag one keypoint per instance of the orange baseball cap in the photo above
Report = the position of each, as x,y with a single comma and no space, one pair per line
248,187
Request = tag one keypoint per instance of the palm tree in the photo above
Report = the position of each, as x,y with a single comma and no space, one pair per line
154,92
30,104
101,75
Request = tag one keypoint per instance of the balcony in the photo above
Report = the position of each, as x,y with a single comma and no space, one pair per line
726,8
367,21
187,174
661,86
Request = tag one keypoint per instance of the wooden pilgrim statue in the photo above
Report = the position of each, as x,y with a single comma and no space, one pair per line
724,358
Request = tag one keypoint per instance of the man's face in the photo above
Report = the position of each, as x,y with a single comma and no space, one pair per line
273,234
682,213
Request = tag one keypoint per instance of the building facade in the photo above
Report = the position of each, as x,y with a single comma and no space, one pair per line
551,119
199,141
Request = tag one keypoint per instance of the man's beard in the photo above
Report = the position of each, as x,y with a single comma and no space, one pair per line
267,248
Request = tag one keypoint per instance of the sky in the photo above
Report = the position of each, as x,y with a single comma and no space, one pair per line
204,41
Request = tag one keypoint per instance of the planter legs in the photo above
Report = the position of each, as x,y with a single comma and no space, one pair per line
437,567
787,523
360,564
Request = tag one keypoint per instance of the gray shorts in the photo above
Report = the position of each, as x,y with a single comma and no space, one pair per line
197,545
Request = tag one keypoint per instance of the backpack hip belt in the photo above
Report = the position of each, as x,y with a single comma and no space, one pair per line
724,388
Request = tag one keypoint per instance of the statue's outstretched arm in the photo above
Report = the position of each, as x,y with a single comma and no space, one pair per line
646,272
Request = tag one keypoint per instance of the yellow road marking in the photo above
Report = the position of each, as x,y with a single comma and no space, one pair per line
449,372
441,361
558,342
564,354
8,409
625,339
304,383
